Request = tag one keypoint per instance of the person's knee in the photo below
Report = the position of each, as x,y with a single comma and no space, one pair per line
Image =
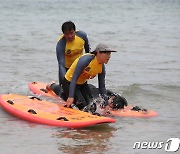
57,89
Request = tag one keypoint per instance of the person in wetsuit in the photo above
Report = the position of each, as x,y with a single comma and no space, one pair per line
115,100
70,46
84,68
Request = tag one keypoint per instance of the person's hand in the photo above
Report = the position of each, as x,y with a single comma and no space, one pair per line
69,102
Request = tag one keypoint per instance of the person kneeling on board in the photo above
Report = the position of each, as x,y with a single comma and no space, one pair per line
115,101
86,67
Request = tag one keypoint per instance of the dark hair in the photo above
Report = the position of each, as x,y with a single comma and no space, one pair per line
118,102
68,25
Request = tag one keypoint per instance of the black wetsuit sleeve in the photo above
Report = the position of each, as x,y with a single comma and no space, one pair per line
84,36
81,65
101,80
60,51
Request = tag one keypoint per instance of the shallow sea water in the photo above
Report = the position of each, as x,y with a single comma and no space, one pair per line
145,70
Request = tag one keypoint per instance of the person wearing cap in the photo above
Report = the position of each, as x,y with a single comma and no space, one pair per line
69,47
84,68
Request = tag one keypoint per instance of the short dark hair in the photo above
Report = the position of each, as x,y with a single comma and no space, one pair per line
68,25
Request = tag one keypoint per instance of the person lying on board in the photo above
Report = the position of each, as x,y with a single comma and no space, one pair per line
115,102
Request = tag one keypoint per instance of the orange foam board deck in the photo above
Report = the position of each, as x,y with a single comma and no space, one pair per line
44,112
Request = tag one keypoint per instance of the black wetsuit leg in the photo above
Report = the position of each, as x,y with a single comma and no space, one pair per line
86,93
57,89
82,94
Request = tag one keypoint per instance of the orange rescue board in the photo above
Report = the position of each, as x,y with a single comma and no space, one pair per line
49,113
127,112
39,88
